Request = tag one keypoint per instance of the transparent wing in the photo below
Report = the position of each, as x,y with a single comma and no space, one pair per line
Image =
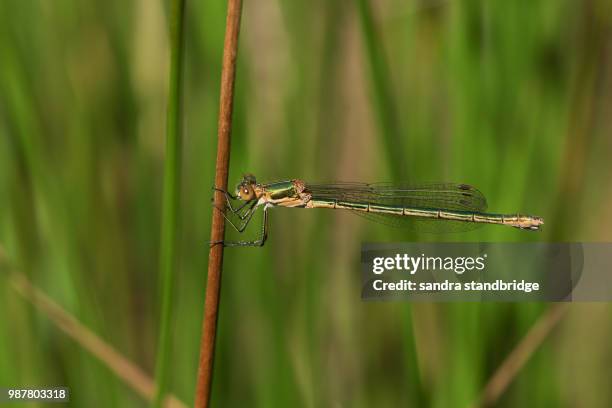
443,196
439,196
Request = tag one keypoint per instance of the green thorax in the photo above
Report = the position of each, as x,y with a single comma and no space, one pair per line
281,189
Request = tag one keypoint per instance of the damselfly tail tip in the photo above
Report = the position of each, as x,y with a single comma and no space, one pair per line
530,223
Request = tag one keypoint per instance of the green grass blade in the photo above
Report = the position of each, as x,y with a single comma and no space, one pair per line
383,101
171,195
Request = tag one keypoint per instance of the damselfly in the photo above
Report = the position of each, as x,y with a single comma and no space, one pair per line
439,207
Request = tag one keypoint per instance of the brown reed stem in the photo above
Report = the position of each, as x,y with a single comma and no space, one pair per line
215,259
127,371
517,359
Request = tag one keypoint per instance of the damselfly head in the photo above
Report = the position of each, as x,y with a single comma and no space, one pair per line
245,190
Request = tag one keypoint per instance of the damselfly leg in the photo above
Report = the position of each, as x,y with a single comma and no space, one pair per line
244,221
249,207
256,243
228,200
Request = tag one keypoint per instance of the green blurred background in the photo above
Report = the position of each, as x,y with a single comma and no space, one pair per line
514,97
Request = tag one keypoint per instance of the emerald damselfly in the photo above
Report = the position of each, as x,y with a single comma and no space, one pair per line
436,207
